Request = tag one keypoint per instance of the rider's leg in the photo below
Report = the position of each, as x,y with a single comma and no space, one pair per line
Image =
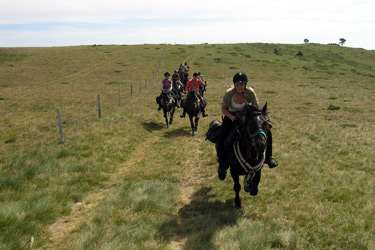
184,106
202,105
220,148
269,159
158,100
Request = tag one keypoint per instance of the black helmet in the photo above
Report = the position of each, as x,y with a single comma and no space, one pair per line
166,74
240,77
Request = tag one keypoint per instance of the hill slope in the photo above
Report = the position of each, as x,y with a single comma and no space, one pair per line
125,181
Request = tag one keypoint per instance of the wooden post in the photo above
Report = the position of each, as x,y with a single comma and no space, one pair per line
60,125
131,89
140,86
119,96
99,109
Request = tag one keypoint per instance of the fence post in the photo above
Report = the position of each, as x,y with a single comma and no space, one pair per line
140,86
131,89
60,125
119,96
99,109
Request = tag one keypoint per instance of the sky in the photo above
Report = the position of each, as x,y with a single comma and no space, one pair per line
46,23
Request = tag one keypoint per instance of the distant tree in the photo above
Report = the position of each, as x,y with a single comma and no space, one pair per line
306,41
342,41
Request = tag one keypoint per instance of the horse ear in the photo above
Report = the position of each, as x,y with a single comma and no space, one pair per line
264,110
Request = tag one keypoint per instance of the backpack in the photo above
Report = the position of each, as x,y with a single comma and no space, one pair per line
213,131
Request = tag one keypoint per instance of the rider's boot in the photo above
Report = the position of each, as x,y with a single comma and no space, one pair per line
204,113
183,114
272,163
159,108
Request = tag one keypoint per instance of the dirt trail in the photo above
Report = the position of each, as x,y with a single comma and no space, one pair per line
62,229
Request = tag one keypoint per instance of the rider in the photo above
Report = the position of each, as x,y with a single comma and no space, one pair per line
200,76
175,76
166,87
186,67
194,84
234,100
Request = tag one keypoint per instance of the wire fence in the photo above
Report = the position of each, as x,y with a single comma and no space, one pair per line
23,138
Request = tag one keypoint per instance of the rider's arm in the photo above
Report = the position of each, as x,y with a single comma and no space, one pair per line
188,86
251,97
227,113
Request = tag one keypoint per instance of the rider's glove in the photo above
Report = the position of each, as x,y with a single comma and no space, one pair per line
237,119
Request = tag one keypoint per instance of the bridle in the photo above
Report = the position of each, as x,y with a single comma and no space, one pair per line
249,169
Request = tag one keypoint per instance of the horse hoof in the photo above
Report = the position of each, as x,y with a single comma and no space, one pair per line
238,203
170,122
254,192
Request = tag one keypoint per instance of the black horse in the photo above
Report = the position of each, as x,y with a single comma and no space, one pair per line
192,107
246,149
168,105
178,87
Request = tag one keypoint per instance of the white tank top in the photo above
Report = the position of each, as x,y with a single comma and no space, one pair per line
234,107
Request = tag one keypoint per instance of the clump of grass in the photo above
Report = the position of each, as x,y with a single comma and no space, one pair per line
117,71
11,140
348,125
233,67
333,98
271,92
333,107
354,110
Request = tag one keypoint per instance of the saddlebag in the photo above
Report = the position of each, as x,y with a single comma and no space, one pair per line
213,131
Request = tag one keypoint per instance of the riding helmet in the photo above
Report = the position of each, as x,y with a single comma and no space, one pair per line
240,77
166,74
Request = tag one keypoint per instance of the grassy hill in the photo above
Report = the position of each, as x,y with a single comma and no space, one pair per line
125,181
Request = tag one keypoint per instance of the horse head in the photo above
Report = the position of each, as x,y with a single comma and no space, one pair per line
255,127
166,99
193,98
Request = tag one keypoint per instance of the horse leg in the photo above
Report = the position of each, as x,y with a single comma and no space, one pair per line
171,115
192,125
166,118
255,183
196,124
237,188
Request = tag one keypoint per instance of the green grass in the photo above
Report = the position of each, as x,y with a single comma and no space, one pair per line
124,181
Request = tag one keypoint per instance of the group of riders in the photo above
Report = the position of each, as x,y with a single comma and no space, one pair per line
233,102
179,85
